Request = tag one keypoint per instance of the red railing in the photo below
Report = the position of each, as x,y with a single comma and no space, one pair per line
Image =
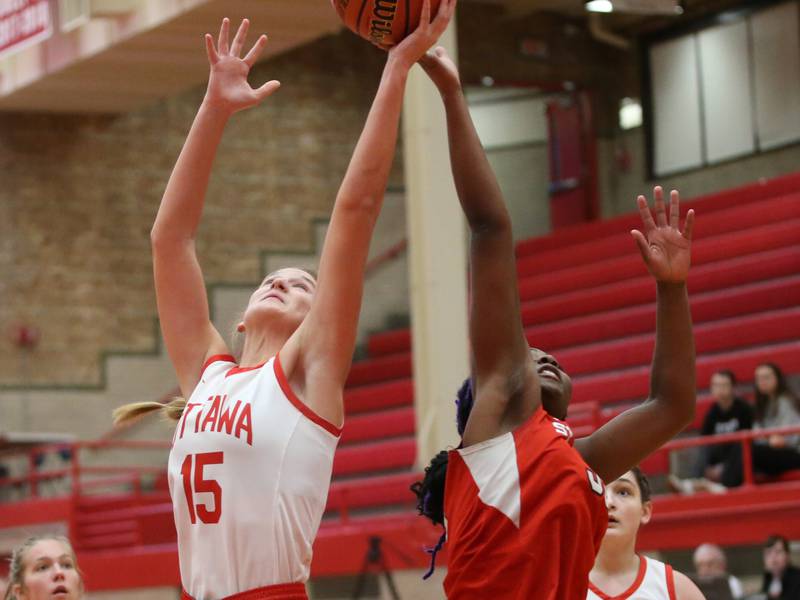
744,438
86,479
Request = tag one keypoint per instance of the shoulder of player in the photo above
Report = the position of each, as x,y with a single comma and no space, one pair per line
685,588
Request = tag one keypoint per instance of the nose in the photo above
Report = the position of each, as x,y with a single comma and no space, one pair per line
548,359
280,283
609,499
58,572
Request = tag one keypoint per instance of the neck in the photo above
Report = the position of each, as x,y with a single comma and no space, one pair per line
260,347
616,557
725,403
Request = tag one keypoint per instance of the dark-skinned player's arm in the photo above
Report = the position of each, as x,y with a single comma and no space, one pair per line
506,383
630,437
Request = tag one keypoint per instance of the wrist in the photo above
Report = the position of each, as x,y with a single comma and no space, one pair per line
452,94
214,108
397,66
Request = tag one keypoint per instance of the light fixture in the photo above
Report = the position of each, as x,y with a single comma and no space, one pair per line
642,7
600,6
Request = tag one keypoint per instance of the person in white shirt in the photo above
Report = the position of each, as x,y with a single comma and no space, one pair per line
619,572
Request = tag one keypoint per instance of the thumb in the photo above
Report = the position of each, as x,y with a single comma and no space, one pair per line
641,243
267,89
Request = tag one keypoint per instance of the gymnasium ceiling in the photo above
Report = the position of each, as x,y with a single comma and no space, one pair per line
134,52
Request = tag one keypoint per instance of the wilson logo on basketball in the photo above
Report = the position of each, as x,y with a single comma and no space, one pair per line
383,14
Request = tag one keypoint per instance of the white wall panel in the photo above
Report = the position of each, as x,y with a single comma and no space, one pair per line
776,53
676,109
726,91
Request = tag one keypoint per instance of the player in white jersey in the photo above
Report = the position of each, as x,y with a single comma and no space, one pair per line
252,457
619,573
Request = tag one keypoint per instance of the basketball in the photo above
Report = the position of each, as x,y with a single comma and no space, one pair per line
382,22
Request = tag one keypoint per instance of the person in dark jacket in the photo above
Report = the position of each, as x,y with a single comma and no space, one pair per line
781,578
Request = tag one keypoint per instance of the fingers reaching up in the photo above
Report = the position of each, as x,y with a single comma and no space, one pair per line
429,30
665,249
228,87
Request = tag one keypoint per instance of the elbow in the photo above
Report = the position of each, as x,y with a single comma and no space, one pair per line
489,225
679,412
164,242
368,205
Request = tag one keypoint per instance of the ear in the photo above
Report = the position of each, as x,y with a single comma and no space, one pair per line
647,512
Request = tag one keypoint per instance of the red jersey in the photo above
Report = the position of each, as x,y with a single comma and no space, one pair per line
524,516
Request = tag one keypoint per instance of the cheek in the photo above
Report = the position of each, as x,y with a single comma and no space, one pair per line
36,585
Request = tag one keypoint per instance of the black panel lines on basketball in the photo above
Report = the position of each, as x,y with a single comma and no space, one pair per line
360,14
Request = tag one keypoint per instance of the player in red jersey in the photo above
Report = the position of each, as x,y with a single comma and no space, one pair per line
523,503
619,573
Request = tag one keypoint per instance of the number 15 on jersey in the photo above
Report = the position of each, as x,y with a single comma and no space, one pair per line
192,472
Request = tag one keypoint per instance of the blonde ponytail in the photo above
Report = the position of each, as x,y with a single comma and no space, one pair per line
172,410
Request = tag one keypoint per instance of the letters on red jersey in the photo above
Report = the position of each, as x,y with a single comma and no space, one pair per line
525,516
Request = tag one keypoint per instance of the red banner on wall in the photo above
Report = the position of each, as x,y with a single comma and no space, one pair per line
22,23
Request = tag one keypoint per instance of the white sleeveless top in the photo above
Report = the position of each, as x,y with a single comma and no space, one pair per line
655,581
249,473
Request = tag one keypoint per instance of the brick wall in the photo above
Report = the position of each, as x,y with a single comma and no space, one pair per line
80,193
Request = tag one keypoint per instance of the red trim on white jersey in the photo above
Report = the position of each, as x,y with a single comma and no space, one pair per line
627,593
238,369
654,581
215,358
284,591
671,583
300,405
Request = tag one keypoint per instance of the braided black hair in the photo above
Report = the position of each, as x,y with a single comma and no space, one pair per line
430,490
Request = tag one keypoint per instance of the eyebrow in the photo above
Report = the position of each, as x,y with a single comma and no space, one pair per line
44,558
625,480
292,279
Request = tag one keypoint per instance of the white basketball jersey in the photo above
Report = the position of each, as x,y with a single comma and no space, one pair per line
249,473
655,581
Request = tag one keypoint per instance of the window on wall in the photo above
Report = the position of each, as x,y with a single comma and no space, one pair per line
726,90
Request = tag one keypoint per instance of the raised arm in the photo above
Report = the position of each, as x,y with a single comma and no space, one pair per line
318,356
629,438
501,364
180,291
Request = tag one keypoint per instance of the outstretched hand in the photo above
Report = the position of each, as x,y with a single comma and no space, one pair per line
441,69
228,88
665,249
419,41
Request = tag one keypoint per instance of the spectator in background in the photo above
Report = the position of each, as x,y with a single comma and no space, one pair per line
719,463
775,406
728,414
710,563
44,567
781,579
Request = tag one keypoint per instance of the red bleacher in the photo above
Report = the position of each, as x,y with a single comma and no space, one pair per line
586,297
